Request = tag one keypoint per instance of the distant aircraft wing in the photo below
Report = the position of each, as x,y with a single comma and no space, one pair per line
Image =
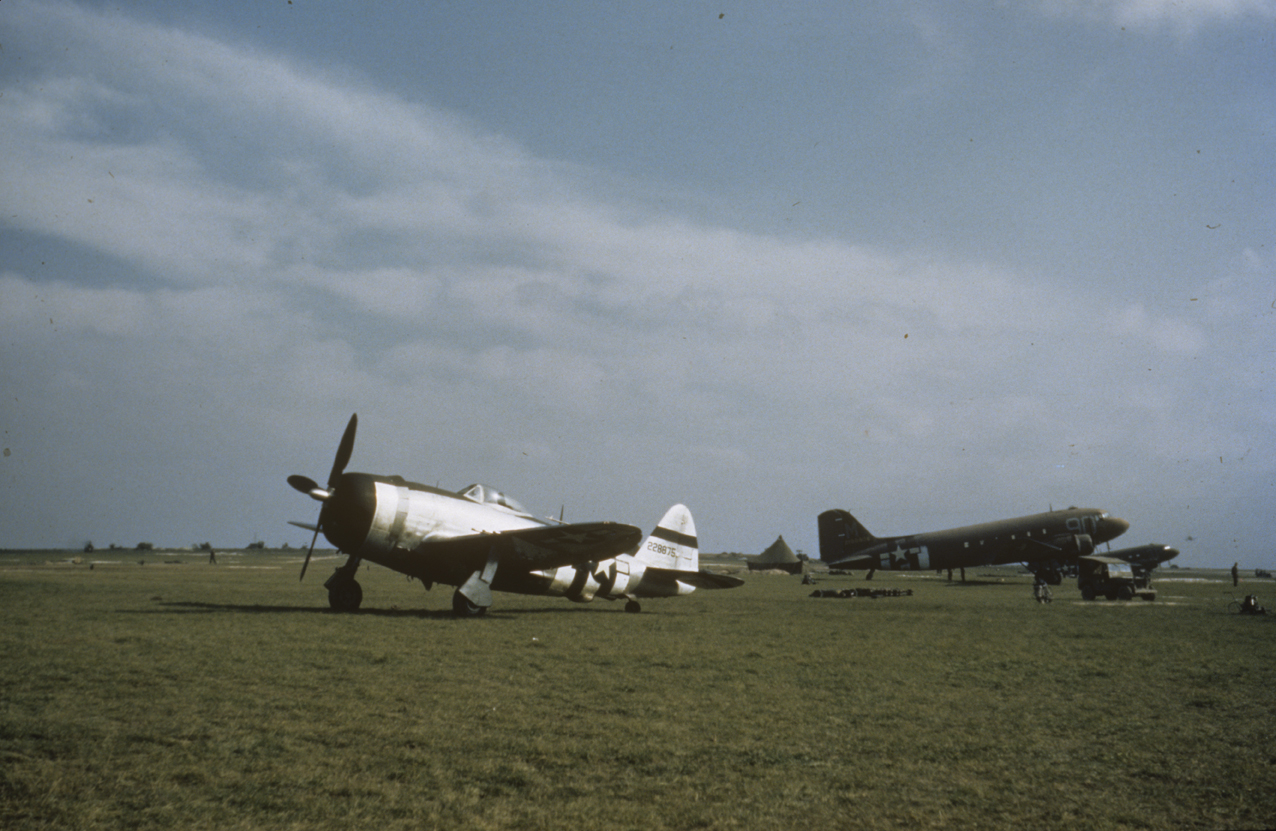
533,549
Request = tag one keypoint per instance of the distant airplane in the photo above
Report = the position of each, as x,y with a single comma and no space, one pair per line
1145,556
1041,541
481,541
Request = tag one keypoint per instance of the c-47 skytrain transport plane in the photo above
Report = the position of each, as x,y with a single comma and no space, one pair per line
1042,541
1145,557
482,541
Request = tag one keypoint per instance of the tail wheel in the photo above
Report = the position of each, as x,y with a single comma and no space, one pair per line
633,607
345,596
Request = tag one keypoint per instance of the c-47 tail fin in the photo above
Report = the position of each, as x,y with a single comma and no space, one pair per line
841,535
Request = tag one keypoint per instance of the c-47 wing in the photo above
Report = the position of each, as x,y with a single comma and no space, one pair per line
531,549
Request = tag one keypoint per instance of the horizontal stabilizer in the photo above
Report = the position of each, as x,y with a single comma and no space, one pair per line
663,582
700,579
856,563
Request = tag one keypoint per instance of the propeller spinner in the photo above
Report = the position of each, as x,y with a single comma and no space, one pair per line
311,488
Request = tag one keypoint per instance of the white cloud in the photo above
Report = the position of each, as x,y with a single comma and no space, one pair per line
1183,15
296,247
1166,334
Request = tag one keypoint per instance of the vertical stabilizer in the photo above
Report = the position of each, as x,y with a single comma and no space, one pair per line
841,535
673,543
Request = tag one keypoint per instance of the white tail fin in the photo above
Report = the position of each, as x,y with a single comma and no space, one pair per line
673,544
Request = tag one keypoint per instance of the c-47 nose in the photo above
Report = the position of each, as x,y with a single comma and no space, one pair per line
1114,527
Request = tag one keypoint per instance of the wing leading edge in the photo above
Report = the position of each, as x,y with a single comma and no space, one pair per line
530,549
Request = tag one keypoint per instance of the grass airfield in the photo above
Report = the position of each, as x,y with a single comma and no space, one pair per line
180,694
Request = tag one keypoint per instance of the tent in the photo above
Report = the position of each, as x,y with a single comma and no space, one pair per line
778,557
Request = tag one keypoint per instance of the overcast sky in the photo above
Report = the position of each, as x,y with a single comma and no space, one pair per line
934,263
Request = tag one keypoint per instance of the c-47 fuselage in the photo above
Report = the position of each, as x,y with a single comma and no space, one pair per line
1050,536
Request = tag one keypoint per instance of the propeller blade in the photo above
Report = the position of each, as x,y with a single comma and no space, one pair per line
343,451
302,483
309,551
311,488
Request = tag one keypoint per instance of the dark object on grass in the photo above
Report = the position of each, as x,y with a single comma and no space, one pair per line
1249,606
872,593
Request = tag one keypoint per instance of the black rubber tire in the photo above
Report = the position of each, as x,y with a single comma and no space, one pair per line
463,607
345,596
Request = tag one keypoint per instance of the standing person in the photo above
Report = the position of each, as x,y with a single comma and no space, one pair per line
1040,590
1236,574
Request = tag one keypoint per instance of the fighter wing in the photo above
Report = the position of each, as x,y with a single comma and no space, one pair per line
530,549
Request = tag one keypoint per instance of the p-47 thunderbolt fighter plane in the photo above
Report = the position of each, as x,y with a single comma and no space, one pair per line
482,541
1042,541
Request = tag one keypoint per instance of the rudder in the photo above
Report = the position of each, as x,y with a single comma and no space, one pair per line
841,535
673,543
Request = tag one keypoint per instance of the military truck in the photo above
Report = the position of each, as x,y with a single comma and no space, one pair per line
1113,578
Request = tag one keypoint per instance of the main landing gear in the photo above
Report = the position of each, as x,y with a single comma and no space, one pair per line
344,592
1048,572
462,606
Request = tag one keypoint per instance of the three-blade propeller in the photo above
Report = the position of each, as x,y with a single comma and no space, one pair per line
311,488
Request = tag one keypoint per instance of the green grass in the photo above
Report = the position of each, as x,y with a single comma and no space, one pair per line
185,695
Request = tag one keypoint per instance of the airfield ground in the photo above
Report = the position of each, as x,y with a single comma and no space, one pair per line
183,695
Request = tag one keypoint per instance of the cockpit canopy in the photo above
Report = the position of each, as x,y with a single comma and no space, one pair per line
486,495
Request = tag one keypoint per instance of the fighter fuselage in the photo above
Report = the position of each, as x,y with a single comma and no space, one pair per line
406,526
